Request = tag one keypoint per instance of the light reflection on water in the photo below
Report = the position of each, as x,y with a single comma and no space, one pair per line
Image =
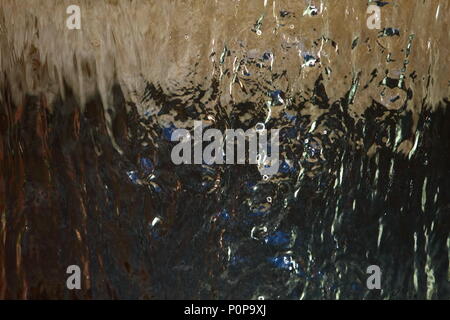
364,156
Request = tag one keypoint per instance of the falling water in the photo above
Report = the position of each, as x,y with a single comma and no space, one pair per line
86,176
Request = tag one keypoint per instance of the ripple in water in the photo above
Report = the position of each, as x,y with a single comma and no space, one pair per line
87,178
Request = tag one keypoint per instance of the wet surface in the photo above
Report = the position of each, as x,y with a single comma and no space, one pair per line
86,176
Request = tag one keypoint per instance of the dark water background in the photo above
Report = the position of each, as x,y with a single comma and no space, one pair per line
364,178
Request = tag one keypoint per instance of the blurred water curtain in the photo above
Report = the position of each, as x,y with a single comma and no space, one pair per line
92,91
